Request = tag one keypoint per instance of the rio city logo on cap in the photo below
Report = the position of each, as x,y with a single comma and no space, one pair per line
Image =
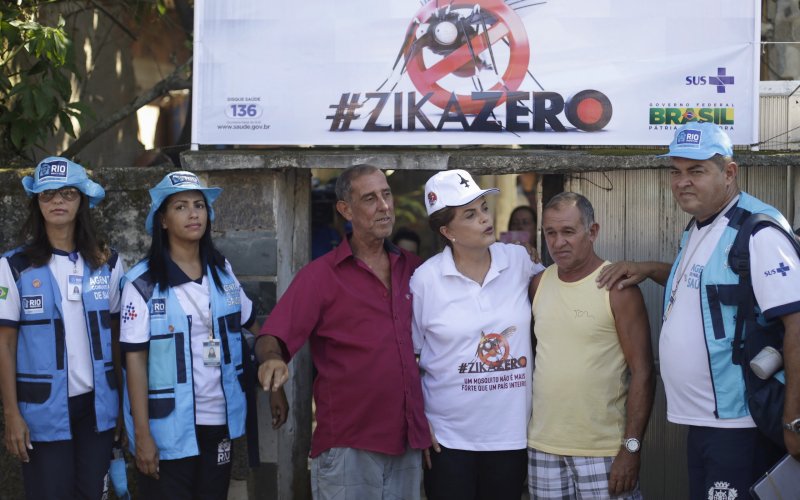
178,179
53,171
690,138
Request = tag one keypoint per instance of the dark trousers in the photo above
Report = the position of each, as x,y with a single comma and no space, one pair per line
70,469
476,475
725,459
205,476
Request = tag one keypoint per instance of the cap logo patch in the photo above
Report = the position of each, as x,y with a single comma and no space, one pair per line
689,138
53,171
182,179
432,198
463,182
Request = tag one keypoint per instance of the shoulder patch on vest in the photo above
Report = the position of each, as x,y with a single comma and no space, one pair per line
144,285
18,263
736,216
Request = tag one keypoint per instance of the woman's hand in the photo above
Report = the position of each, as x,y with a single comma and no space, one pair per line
530,249
533,253
279,407
18,437
147,455
426,453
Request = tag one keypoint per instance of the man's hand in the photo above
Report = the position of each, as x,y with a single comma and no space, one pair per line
626,273
147,455
18,437
624,472
426,453
621,274
791,365
279,407
273,373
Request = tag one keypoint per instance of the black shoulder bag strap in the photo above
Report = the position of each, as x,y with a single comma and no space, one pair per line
765,398
739,261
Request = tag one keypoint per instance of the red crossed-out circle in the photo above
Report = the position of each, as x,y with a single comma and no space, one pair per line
493,349
508,25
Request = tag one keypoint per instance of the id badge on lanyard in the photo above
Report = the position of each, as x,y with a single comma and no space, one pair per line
74,287
211,347
211,352
74,280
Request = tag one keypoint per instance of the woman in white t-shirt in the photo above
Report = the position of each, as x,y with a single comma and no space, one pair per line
183,313
59,313
471,330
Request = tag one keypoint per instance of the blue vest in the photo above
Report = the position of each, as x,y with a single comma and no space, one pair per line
42,387
170,385
717,285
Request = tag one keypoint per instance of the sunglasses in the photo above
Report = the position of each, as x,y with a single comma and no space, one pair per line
66,193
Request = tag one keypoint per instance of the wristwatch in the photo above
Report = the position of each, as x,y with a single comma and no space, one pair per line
793,426
633,445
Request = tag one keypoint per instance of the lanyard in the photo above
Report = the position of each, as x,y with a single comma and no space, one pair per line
73,257
686,260
205,319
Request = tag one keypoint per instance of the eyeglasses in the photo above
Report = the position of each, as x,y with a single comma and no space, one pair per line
66,193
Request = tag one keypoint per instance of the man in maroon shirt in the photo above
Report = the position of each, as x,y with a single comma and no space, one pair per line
353,305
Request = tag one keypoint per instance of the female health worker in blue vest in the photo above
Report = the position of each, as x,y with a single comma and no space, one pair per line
182,314
59,326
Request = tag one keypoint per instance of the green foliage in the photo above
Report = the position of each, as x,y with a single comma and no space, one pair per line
37,62
409,208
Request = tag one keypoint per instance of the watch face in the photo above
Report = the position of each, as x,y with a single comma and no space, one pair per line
632,445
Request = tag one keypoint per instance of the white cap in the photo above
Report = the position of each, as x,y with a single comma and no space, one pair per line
452,188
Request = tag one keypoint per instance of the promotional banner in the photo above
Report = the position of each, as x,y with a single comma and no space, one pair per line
411,72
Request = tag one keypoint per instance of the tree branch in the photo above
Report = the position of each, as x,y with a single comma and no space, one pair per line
113,19
179,79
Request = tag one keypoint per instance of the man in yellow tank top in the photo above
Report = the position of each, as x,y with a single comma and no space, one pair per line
593,383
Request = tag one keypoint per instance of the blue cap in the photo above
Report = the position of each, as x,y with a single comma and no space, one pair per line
699,141
177,182
56,172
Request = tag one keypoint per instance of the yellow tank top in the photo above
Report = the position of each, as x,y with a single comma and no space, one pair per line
580,380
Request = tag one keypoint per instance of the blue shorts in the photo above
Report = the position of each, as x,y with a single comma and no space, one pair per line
722,460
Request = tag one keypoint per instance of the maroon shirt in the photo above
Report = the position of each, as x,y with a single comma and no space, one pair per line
367,390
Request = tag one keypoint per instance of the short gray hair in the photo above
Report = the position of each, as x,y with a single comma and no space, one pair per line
345,180
569,199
